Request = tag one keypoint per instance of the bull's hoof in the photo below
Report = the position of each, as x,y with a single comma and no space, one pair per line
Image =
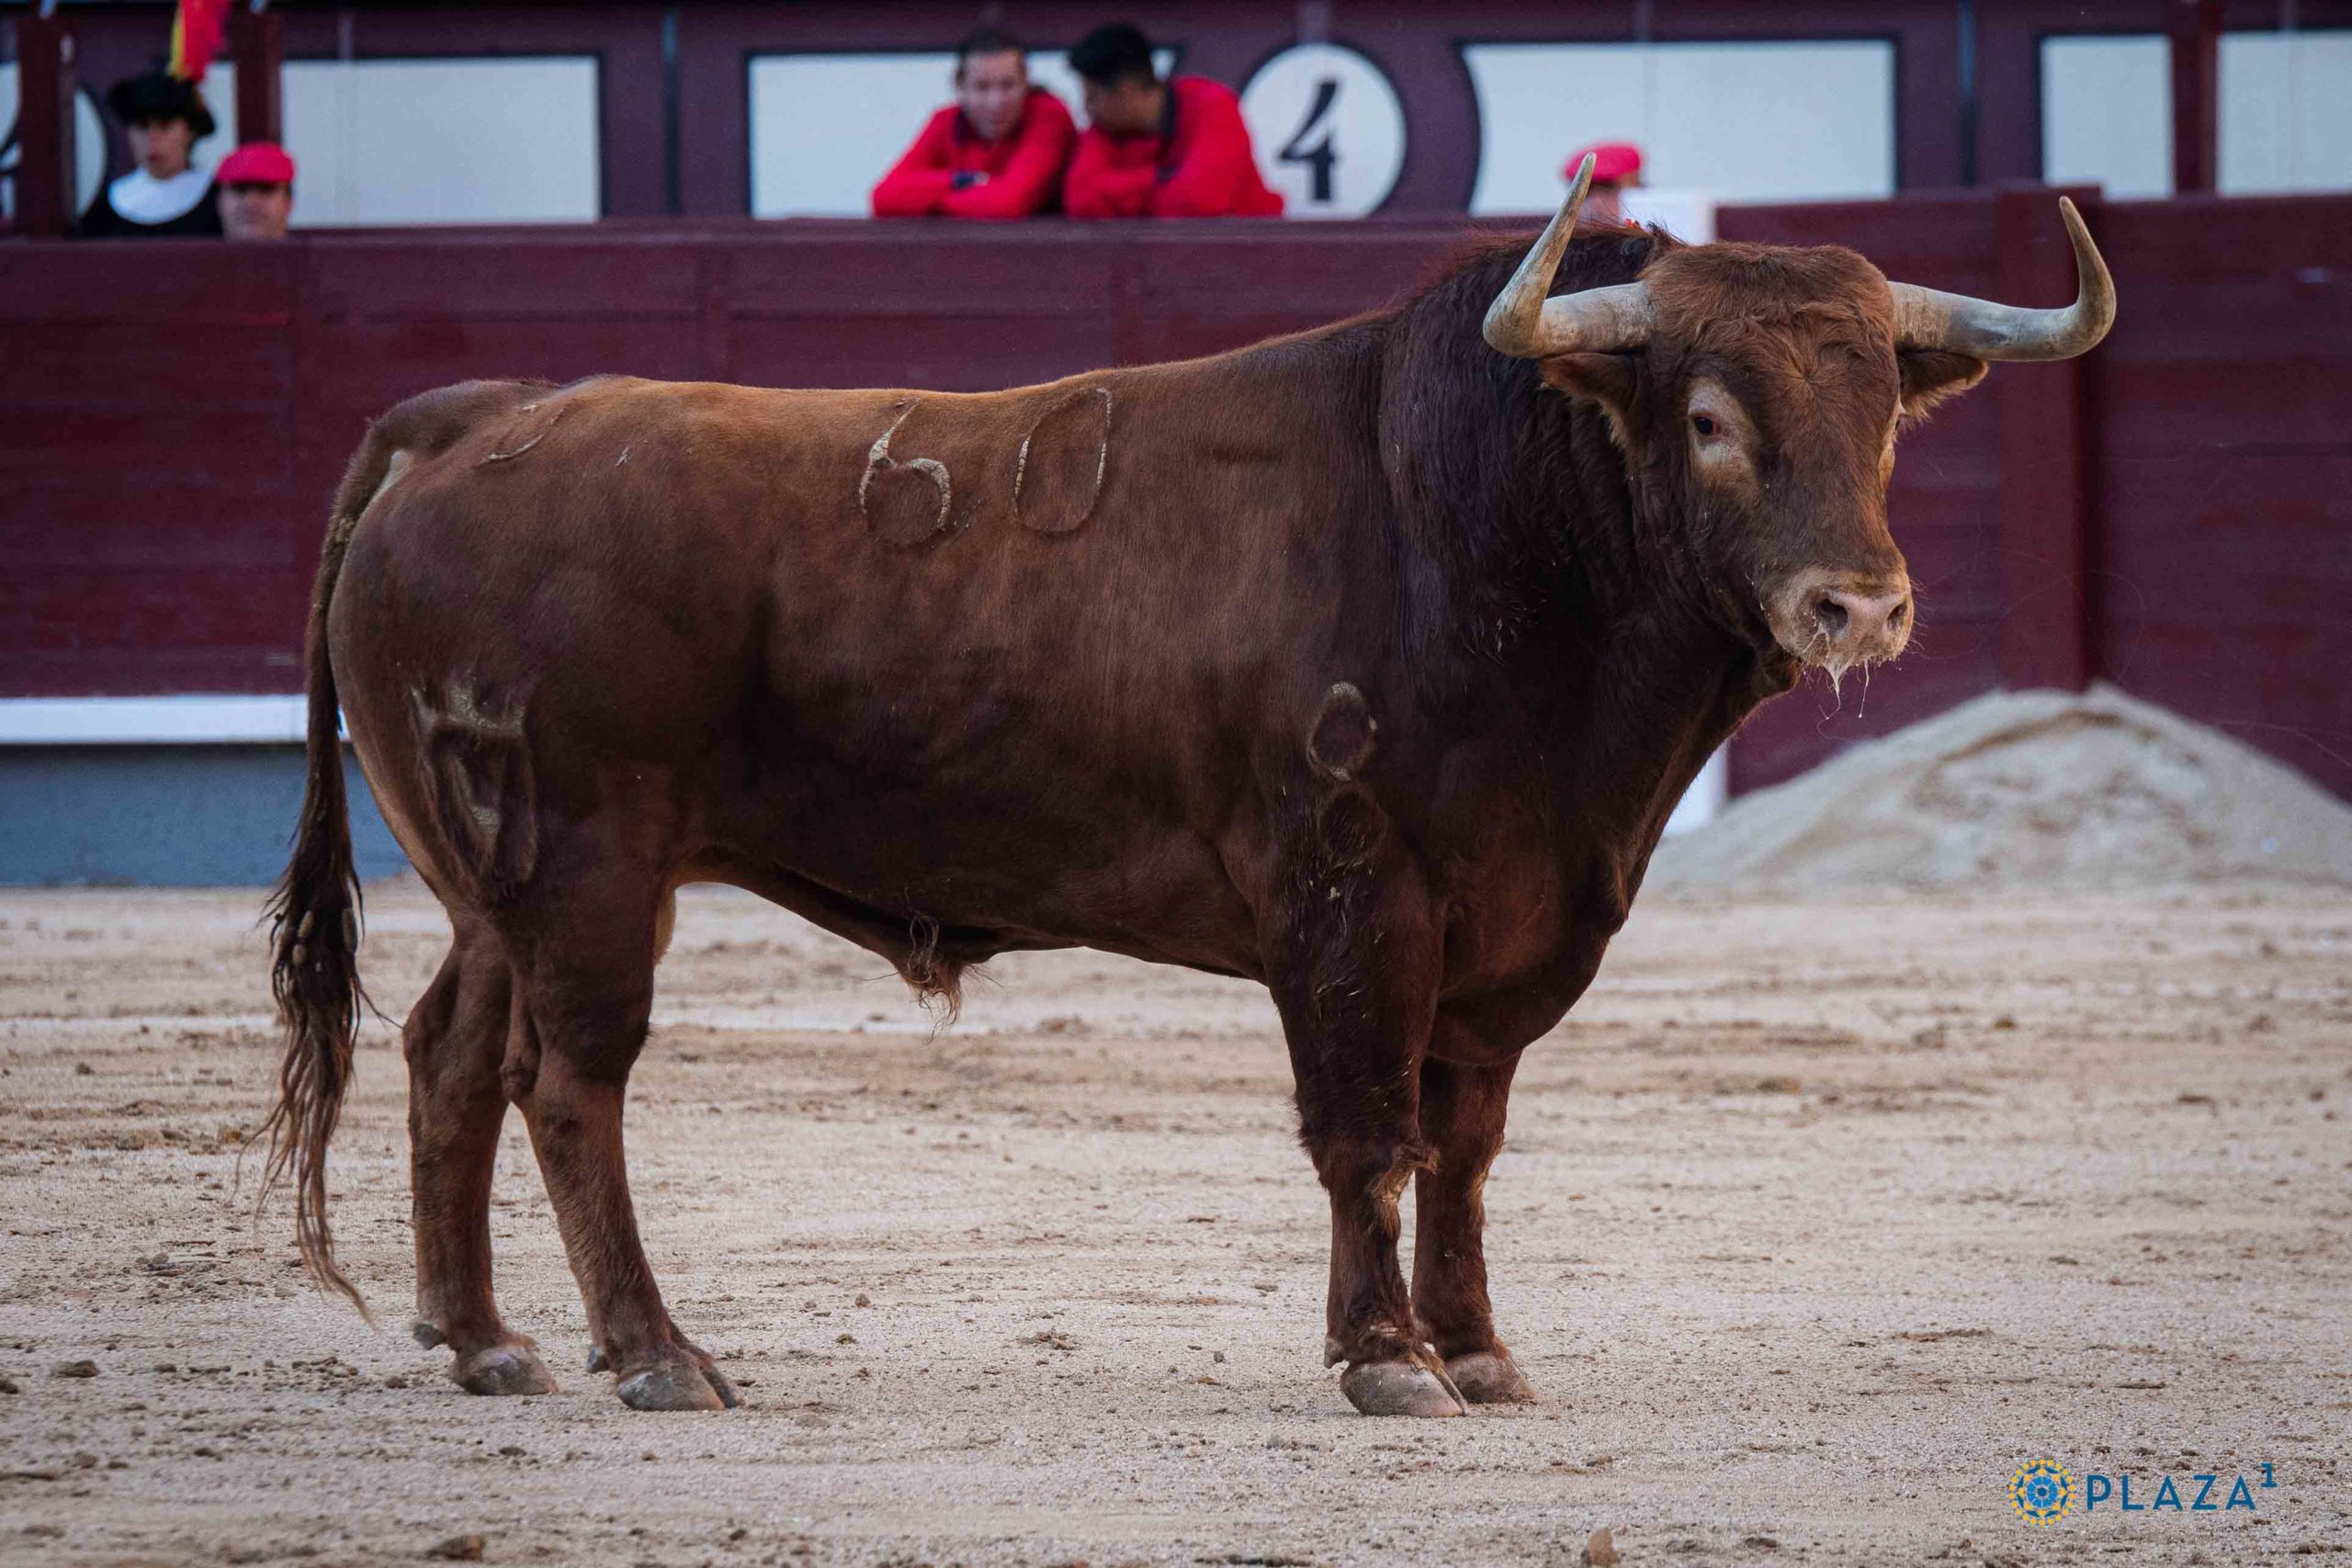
1400,1388
678,1384
1489,1377
597,1360
427,1335
505,1368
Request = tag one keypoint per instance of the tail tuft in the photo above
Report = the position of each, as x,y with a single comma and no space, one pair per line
314,935
314,976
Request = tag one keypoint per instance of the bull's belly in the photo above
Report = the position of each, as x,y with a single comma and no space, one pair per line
1005,853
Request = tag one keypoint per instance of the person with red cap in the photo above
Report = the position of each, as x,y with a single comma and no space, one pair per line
1616,167
257,184
996,151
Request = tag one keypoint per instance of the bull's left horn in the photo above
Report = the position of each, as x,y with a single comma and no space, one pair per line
1959,324
1526,325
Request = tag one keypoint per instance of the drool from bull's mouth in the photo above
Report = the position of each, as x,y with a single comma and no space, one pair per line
1365,664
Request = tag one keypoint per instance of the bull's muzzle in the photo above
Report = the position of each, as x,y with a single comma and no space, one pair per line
1837,620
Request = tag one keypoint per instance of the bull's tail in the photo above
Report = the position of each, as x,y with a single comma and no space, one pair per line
314,913
314,920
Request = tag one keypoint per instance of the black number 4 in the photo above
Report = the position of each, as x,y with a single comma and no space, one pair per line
1322,156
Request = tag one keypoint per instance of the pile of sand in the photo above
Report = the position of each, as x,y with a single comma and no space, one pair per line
2019,791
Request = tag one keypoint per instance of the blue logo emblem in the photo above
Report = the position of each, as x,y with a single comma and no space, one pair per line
2041,1491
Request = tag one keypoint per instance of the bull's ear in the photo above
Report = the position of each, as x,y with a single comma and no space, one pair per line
1931,374
1612,381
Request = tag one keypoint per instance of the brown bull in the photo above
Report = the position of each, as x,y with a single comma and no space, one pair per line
1359,662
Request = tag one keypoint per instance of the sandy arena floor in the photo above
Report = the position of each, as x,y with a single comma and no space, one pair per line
1814,1224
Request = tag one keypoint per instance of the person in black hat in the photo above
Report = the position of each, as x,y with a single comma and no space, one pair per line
164,196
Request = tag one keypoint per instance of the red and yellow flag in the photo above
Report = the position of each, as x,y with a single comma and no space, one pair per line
197,31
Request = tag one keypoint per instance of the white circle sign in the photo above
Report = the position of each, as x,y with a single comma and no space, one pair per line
1329,129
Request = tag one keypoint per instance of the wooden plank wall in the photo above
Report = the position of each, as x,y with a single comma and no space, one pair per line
2223,471
2173,513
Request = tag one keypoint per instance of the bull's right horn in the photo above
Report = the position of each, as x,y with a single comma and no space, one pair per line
1526,325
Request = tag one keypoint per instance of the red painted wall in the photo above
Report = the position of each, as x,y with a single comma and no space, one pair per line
174,417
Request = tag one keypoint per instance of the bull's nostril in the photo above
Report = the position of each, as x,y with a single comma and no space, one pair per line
1895,617
1832,617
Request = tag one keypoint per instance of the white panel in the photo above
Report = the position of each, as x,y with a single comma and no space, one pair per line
1685,214
825,128
122,721
2286,111
1705,799
382,142
317,114
89,143
1739,122
2106,113
219,91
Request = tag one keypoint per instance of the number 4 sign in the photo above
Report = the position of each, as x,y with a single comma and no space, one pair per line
1329,129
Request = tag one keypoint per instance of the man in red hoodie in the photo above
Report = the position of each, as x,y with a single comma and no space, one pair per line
1154,148
997,151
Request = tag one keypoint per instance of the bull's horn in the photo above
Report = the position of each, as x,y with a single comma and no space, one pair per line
1927,318
1525,325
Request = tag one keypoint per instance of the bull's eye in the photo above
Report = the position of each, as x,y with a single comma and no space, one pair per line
1703,424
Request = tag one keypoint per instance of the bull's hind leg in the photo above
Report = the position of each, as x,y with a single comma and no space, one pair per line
1352,966
455,1040
1461,1117
587,998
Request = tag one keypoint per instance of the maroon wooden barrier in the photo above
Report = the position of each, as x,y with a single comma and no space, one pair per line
43,175
2223,471
2194,30
257,43
2172,513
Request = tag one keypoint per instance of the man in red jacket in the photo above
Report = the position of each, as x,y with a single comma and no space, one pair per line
997,151
1173,149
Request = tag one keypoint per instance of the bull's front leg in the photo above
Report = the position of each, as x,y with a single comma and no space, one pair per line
1353,959
1462,1116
